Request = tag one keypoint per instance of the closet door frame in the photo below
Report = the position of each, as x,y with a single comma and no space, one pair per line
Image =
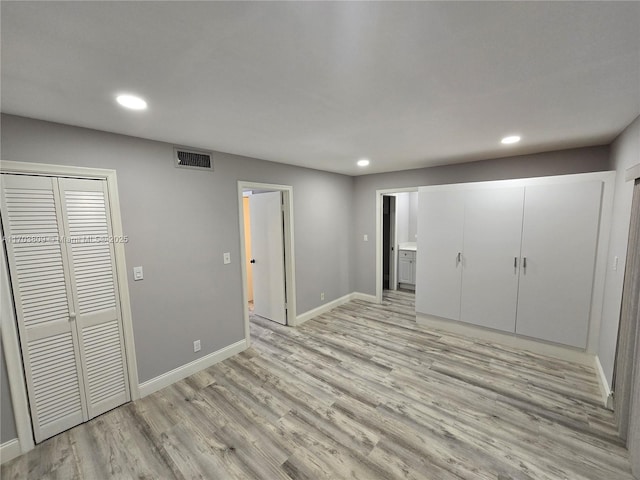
10,340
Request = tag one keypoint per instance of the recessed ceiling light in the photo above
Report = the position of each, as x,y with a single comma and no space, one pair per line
363,163
132,102
510,139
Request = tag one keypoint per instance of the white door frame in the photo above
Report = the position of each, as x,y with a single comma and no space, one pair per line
10,342
289,254
379,213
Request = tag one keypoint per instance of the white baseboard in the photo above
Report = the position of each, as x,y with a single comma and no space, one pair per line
184,371
334,304
10,450
365,297
323,309
605,390
535,346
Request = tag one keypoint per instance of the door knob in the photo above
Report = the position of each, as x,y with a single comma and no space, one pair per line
72,316
253,260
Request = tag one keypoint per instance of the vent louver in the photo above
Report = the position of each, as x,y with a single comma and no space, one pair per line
187,158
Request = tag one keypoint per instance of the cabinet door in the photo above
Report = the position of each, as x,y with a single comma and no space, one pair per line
405,270
439,273
559,241
492,234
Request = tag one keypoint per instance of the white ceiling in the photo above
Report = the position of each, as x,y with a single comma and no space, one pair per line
323,84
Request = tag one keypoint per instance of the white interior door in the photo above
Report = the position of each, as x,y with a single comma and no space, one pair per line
87,226
491,259
267,245
559,239
31,219
440,242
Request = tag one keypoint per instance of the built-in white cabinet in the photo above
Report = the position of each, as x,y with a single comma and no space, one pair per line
440,243
407,268
515,256
559,239
491,248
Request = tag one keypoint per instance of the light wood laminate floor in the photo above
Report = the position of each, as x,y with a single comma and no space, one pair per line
361,392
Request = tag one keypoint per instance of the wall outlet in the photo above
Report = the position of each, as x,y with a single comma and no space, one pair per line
226,257
322,296
615,264
196,346
366,237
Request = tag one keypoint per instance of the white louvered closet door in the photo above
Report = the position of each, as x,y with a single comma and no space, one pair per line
31,219
63,276
87,226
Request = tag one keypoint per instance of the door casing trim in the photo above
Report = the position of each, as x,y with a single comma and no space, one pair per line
289,250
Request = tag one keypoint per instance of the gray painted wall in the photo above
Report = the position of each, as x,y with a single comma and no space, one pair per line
625,152
180,222
579,160
7,422
406,216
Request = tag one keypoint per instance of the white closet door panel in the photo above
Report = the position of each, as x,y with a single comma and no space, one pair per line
87,224
440,240
56,390
559,242
31,215
104,364
492,234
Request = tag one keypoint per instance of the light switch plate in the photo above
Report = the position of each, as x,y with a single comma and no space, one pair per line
227,257
137,273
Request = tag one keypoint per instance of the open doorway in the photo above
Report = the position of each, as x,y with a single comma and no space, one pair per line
396,239
266,235
389,242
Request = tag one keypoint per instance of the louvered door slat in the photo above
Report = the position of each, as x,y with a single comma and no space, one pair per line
39,285
48,295
87,224
47,310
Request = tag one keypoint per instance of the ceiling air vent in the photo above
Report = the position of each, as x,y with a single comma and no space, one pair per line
187,158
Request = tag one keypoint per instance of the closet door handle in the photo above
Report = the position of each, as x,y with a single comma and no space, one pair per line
72,316
524,263
515,262
459,257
